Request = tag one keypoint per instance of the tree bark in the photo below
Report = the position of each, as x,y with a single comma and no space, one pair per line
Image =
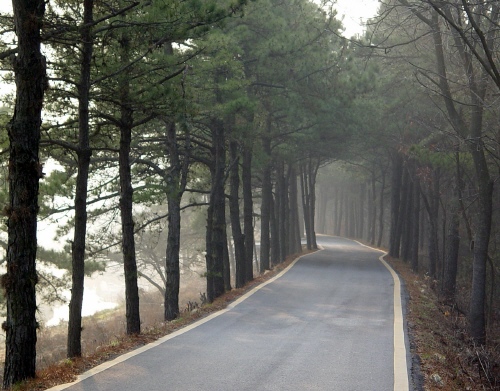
265,209
432,207
74,347
275,238
452,249
175,181
305,204
382,209
248,228
395,234
415,217
24,174
294,242
373,210
216,215
313,172
407,210
234,212
126,198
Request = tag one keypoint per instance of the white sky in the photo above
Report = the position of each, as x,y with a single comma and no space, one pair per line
354,13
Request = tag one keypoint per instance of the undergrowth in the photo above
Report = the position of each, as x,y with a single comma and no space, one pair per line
449,359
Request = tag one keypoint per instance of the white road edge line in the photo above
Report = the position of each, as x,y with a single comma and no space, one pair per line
126,356
400,363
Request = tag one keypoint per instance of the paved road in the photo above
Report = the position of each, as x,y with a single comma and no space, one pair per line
326,324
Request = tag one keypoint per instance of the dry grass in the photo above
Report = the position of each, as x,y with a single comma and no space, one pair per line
103,336
449,361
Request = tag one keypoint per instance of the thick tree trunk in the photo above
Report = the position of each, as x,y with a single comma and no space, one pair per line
477,315
226,262
407,210
172,265
308,185
452,249
216,216
313,172
294,232
265,209
395,234
305,205
126,199
433,214
373,210
246,178
283,213
175,180
352,215
24,174
347,211
415,217
340,214
275,239
402,210
361,211
382,209
74,347
322,208
234,212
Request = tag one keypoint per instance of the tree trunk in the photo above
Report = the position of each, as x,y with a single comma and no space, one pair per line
275,239
322,208
74,347
340,214
216,216
361,211
415,217
452,249
175,179
477,316
234,212
265,209
24,174
381,214
172,264
433,211
283,213
246,177
226,262
313,172
373,211
294,232
395,234
407,210
126,199
305,205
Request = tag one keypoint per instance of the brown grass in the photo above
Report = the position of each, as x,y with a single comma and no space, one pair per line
449,360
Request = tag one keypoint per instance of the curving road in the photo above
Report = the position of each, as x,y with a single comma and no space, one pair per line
326,324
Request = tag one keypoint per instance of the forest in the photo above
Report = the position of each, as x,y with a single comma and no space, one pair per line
255,123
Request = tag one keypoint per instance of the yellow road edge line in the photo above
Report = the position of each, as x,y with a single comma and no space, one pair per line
400,362
102,367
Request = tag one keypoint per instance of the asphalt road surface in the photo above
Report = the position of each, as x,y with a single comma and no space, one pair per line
326,324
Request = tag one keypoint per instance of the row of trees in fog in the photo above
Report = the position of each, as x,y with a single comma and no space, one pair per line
188,104
233,108
421,180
